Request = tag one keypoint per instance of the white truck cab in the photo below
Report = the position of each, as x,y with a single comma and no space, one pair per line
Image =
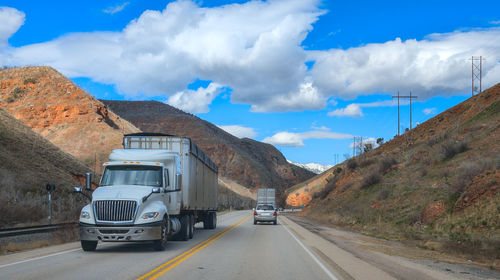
143,197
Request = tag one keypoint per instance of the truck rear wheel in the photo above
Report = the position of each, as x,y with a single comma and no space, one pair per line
210,221
191,226
88,246
214,220
183,234
206,220
161,244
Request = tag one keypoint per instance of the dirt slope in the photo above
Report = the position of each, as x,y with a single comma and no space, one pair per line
27,163
438,183
248,162
63,113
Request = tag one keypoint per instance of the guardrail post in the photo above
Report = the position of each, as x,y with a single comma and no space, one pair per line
50,208
50,188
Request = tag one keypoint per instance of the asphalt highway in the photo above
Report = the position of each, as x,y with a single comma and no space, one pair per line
237,249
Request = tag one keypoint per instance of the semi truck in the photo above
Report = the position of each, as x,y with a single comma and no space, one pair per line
153,190
266,196
265,211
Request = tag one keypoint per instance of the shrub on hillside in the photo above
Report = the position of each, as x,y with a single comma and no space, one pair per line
366,162
352,164
453,148
347,186
371,178
329,187
467,172
386,164
30,81
383,194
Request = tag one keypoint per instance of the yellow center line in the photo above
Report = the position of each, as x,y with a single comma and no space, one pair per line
155,273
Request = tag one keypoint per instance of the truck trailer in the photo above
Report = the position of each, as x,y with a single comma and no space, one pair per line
266,196
154,189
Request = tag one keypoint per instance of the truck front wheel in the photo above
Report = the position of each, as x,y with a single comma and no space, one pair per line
161,244
89,245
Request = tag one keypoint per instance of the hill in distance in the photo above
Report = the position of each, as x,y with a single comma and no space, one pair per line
27,163
438,183
63,113
248,162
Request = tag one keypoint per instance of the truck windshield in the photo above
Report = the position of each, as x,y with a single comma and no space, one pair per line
132,175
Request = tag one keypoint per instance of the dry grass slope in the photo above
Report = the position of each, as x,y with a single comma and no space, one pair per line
27,163
437,185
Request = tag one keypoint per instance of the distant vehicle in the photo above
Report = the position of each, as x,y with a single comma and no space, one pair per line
156,188
266,196
265,213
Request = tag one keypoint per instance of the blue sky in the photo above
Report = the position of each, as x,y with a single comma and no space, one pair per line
303,75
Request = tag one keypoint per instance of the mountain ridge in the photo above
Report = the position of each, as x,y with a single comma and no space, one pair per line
249,162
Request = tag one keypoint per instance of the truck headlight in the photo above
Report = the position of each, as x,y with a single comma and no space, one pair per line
150,215
85,215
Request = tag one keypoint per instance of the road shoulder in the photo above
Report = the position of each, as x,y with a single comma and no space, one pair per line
383,255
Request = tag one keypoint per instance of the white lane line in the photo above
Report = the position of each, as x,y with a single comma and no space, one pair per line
312,255
39,258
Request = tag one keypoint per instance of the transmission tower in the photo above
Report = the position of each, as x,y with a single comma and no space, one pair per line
477,73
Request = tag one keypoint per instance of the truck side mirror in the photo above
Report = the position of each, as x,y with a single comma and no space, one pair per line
79,190
88,181
178,181
156,190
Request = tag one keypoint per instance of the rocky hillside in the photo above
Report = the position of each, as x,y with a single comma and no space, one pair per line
62,112
246,161
27,163
438,183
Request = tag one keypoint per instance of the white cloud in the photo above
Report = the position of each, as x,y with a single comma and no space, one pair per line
352,110
255,49
239,131
436,65
324,128
115,9
195,101
306,98
495,22
290,139
11,20
429,111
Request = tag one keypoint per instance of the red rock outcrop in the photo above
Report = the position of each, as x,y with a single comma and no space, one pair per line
69,117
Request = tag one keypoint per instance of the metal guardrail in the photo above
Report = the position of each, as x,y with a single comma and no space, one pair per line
35,229
291,210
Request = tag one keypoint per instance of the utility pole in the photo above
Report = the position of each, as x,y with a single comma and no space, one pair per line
354,147
404,96
477,73
360,145
410,112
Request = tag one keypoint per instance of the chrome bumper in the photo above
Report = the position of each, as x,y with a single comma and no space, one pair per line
120,233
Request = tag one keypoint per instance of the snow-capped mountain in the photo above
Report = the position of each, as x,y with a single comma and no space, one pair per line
313,167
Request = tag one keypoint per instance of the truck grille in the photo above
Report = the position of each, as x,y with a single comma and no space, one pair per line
115,210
